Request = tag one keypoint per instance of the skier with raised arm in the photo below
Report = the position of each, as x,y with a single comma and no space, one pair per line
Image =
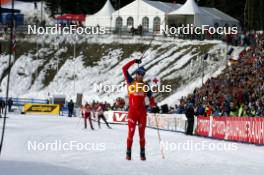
137,114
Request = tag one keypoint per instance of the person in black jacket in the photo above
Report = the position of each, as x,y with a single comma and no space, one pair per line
190,118
2,106
70,108
10,104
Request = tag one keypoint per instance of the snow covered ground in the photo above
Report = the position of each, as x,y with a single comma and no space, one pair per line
106,151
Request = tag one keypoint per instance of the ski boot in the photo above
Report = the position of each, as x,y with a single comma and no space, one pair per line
128,154
142,154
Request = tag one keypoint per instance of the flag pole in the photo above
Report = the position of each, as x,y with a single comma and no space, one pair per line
11,52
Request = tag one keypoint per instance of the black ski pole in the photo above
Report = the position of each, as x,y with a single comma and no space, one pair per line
11,46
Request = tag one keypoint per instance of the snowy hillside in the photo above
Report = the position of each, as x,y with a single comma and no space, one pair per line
51,69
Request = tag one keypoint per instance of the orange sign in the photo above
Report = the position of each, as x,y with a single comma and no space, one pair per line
3,2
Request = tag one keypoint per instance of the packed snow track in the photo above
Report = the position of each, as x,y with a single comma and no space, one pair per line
104,153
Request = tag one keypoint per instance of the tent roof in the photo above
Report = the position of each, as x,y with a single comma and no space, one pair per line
215,13
188,8
163,6
191,8
106,10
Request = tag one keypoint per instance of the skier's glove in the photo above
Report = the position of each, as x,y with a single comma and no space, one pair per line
155,110
138,61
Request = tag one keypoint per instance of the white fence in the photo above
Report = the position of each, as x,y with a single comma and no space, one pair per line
170,122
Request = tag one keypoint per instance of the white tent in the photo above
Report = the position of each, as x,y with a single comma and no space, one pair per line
152,14
103,17
216,16
149,14
191,13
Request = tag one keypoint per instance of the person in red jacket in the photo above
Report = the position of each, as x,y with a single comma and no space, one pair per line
87,114
137,114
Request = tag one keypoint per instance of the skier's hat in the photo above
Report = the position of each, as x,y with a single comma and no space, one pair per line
141,71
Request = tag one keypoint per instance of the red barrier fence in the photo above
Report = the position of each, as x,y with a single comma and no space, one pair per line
203,126
244,129
219,127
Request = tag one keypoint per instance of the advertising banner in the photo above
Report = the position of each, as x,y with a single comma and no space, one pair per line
203,126
172,122
242,129
218,128
42,109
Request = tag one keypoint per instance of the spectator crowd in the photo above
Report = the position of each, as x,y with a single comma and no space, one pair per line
237,91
